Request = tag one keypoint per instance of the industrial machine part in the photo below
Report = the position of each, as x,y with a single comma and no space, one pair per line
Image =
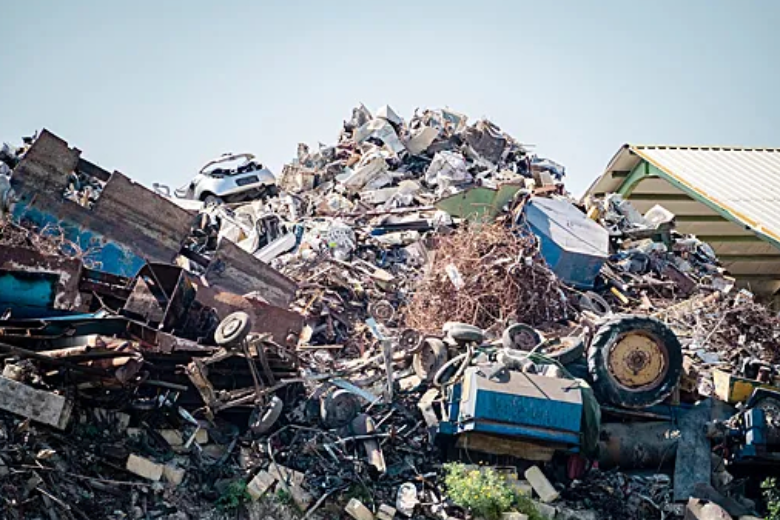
543,411
634,362
637,445
754,434
410,340
768,401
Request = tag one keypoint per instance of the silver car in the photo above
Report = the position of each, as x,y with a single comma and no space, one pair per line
231,178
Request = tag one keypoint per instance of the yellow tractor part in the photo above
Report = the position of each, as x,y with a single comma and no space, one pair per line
637,360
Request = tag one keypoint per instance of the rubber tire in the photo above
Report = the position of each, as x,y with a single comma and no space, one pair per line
570,354
271,413
448,370
594,303
463,332
508,337
209,199
440,356
607,389
339,408
225,338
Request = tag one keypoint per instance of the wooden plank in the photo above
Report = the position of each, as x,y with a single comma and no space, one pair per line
43,407
496,445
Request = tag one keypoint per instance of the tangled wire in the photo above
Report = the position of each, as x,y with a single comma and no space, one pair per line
50,241
486,275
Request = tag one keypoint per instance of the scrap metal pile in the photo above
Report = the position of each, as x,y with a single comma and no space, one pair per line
421,291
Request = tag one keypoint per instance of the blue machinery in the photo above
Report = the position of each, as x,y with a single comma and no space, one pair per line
518,405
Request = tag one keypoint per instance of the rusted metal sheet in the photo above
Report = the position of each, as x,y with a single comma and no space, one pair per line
127,225
32,279
233,269
283,325
170,299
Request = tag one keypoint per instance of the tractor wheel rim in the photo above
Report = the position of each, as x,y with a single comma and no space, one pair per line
638,361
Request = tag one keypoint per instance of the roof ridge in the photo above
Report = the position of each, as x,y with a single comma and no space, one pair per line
701,147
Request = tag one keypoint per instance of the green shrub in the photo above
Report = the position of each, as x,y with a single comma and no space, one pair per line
234,496
485,493
772,497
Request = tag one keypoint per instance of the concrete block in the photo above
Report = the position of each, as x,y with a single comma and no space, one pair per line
385,513
546,510
172,437
260,485
358,511
571,514
546,491
174,474
294,480
144,467
514,516
40,406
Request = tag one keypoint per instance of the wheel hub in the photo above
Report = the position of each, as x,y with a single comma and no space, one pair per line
231,327
637,361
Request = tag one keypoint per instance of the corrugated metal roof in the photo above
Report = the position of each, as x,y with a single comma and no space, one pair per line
743,181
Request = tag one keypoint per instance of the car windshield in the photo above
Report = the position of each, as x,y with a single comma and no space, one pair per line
232,165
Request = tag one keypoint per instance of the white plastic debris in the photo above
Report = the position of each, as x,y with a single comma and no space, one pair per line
446,169
406,499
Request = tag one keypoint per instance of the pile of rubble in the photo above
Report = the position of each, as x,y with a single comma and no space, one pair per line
419,292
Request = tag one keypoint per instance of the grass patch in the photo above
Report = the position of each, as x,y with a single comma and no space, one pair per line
772,496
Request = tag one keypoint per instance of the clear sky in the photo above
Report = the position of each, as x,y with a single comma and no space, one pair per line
154,89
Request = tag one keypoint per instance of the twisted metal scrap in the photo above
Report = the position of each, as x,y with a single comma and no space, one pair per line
504,277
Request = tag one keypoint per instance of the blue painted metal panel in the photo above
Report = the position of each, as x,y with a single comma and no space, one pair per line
100,253
29,294
574,246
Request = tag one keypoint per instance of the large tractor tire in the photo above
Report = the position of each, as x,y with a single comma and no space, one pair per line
634,362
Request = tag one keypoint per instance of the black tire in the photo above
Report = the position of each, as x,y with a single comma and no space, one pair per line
339,408
616,389
233,329
263,419
594,303
521,337
463,332
210,198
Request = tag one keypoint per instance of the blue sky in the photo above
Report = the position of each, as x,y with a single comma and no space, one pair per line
155,89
